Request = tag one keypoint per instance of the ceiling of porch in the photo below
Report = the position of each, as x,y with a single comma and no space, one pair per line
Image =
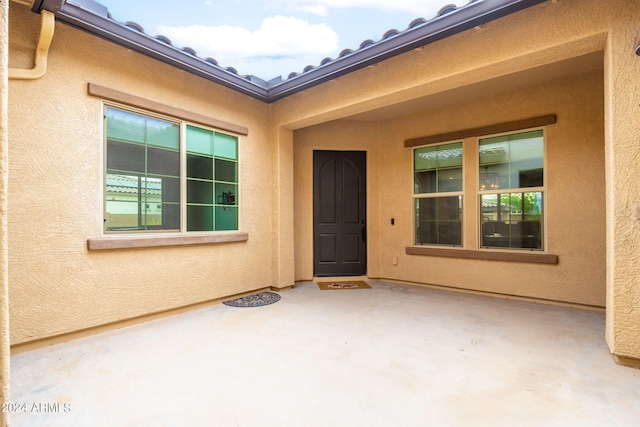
547,72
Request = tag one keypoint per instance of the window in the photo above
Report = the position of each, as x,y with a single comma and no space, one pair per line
511,190
438,194
166,175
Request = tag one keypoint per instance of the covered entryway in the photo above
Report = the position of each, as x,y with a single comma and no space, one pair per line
339,213
496,361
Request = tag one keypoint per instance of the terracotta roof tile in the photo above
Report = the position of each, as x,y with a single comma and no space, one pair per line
450,19
450,8
445,10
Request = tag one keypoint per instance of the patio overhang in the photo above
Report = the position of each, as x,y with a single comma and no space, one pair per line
94,18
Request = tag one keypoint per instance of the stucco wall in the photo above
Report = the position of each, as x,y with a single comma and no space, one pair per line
622,92
4,288
55,136
575,192
497,52
56,286
546,34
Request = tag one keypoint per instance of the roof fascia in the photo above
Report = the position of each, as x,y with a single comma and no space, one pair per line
93,17
464,18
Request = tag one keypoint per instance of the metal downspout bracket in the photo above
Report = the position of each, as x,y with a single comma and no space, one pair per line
42,50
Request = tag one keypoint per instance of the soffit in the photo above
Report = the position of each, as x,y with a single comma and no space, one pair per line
93,17
567,67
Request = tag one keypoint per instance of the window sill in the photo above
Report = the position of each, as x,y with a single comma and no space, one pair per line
526,257
134,242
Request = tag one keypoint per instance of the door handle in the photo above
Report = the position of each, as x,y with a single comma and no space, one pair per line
364,230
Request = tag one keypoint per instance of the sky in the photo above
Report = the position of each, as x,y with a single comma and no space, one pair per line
272,38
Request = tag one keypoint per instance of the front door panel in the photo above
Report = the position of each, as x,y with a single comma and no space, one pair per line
339,213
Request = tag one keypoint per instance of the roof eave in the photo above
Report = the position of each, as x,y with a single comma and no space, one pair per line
469,16
92,17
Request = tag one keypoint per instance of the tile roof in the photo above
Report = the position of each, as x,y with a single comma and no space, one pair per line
117,183
390,33
95,18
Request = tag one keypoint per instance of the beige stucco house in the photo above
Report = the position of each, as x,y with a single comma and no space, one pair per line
435,112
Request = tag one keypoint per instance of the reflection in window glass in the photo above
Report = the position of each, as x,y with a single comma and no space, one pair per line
438,186
226,218
199,140
512,161
143,171
140,203
225,146
199,218
438,169
143,158
439,221
225,171
512,220
511,216
136,128
211,181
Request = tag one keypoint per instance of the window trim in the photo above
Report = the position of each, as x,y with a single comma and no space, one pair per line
148,105
159,240
480,252
488,255
477,132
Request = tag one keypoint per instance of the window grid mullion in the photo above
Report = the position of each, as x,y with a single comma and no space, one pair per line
148,159
183,177
512,224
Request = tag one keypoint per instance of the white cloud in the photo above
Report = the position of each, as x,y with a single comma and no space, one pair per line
425,8
315,9
285,44
279,39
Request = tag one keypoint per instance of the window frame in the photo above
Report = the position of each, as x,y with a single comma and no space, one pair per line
469,135
438,195
541,189
182,123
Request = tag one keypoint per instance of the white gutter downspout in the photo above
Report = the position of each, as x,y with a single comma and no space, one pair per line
42,50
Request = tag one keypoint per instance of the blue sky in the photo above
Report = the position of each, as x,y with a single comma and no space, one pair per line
273,37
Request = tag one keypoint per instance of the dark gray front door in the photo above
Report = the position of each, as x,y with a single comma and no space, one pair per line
339,213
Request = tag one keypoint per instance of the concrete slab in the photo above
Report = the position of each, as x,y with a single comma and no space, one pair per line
393,355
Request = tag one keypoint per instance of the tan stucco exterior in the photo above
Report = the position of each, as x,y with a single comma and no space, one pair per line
58,285
544,43
570,58
4,288
575,159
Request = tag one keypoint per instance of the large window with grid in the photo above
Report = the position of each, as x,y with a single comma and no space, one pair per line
437,195
164,174
511,191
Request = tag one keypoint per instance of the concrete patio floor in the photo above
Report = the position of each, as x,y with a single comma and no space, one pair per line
394,355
